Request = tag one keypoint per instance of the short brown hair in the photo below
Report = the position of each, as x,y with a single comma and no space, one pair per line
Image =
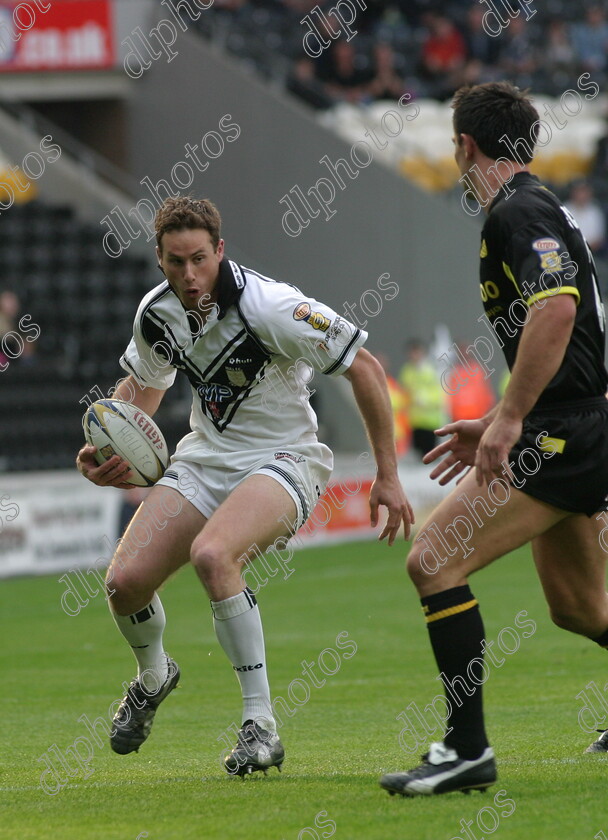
185,213
499,117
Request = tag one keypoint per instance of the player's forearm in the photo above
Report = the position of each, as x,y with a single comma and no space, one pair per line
148,399
491,414
539,355
371,393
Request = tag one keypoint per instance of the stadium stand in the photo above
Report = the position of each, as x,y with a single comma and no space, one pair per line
545,52
14,186
84,304
269,35
547,57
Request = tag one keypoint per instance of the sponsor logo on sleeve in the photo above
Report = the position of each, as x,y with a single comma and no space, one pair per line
301,312
548,253
338,326
317,320
545,245
551,261
339,332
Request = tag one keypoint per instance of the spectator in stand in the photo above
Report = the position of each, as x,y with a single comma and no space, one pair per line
474,73
342,76
387,83
590,40
300,7
517,57
413,11
558,55
303,83
599,170
9,309
13,345
370,16
480,46
475,397
588,214
427,399
444,54
228,5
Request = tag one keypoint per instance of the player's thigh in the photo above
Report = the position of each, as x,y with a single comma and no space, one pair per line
157,541
256,513
472,527
571,565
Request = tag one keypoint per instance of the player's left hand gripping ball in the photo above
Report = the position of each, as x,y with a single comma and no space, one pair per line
116,427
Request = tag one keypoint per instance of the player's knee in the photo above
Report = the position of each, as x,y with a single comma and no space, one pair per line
574,620
418,569
122,584
561,619
210,559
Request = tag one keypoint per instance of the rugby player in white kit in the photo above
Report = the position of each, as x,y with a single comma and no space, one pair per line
250,471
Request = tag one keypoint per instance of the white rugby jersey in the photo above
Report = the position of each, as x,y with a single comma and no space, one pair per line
249,364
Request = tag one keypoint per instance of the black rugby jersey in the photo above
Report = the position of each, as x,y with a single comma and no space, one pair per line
532,249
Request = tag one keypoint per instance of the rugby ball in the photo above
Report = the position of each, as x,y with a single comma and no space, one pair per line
116,427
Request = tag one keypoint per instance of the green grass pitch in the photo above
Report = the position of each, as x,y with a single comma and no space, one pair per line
57,668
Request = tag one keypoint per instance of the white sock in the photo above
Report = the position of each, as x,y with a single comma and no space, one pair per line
238,627
144,632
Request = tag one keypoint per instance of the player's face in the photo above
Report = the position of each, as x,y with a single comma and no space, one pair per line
191,265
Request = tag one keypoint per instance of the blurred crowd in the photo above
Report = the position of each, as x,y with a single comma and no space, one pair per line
429,48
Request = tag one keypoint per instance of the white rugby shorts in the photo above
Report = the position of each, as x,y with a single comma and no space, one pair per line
207,478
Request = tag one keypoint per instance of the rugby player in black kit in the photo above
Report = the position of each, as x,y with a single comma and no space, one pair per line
539,459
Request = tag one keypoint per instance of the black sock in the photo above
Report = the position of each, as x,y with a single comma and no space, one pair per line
602,640
456,632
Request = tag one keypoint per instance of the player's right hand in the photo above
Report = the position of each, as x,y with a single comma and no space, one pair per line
112,473
460,449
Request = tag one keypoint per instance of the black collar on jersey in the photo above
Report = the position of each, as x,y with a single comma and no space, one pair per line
520,179
229,287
